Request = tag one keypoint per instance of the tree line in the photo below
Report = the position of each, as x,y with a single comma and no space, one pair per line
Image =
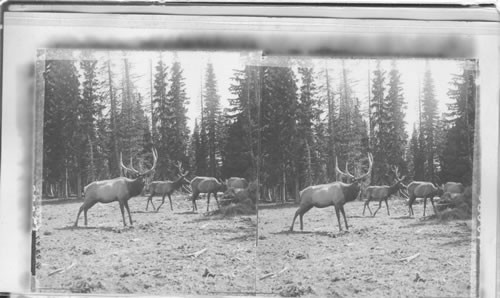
285,127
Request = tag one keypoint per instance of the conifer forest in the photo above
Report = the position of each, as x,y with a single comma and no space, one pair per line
303,132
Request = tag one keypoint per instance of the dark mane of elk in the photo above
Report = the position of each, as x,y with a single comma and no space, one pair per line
119,189
336,194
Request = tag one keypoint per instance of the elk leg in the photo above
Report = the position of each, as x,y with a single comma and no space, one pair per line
193,199
304,210
123,213
78,215
85,209
338,217
379,206
170,199
217,200
162,201
433,206
425,203
387,205
345,219
208,200
128,211
410,208
150,199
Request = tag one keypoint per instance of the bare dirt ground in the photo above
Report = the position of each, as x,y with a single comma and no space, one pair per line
366,261
153,257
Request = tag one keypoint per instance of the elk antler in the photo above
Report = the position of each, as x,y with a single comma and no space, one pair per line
125,168
370,160
338,171
179,167
155,159
395,170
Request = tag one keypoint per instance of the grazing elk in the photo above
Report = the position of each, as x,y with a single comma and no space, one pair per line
166,188
382,193
336,194
208,185
453,187
236,182
420,189
119,189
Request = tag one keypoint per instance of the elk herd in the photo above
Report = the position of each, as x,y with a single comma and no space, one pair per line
336,194
122,189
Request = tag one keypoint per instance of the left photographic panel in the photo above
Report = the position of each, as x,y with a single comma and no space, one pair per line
145,175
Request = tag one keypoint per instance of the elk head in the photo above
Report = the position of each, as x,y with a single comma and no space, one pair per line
350,177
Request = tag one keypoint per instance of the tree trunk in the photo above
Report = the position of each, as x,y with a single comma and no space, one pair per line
116,168
66,190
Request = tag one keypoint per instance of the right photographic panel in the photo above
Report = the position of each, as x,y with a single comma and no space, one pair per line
368,177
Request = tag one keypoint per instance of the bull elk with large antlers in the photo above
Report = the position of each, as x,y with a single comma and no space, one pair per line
336,194
166,188
382,193
120,189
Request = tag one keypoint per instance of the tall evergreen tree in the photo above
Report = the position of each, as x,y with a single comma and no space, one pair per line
240,150
279,102
161,115
211,120
397,137
176,131
429,121
458,150
380,124
62,96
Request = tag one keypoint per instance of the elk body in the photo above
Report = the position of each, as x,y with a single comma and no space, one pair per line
382,193
119,190
208,185
166,188
236,182
332,194
421,189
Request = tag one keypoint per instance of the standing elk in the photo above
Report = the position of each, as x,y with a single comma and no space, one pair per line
382,193
208,185
420,189
166,188
119,189
335,193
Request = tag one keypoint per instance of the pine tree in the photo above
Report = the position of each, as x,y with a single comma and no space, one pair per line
278,108
89,108
429,120
457,155
380,124
176,132
240,150
161,115
306,114
61,102
211,120
397,137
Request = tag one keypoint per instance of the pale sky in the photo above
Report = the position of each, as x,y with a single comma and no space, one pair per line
194,67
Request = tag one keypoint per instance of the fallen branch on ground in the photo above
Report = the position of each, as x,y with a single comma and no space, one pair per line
196,254
63,269
274,274
409,259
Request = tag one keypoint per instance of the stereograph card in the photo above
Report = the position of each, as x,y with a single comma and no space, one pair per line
249,150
